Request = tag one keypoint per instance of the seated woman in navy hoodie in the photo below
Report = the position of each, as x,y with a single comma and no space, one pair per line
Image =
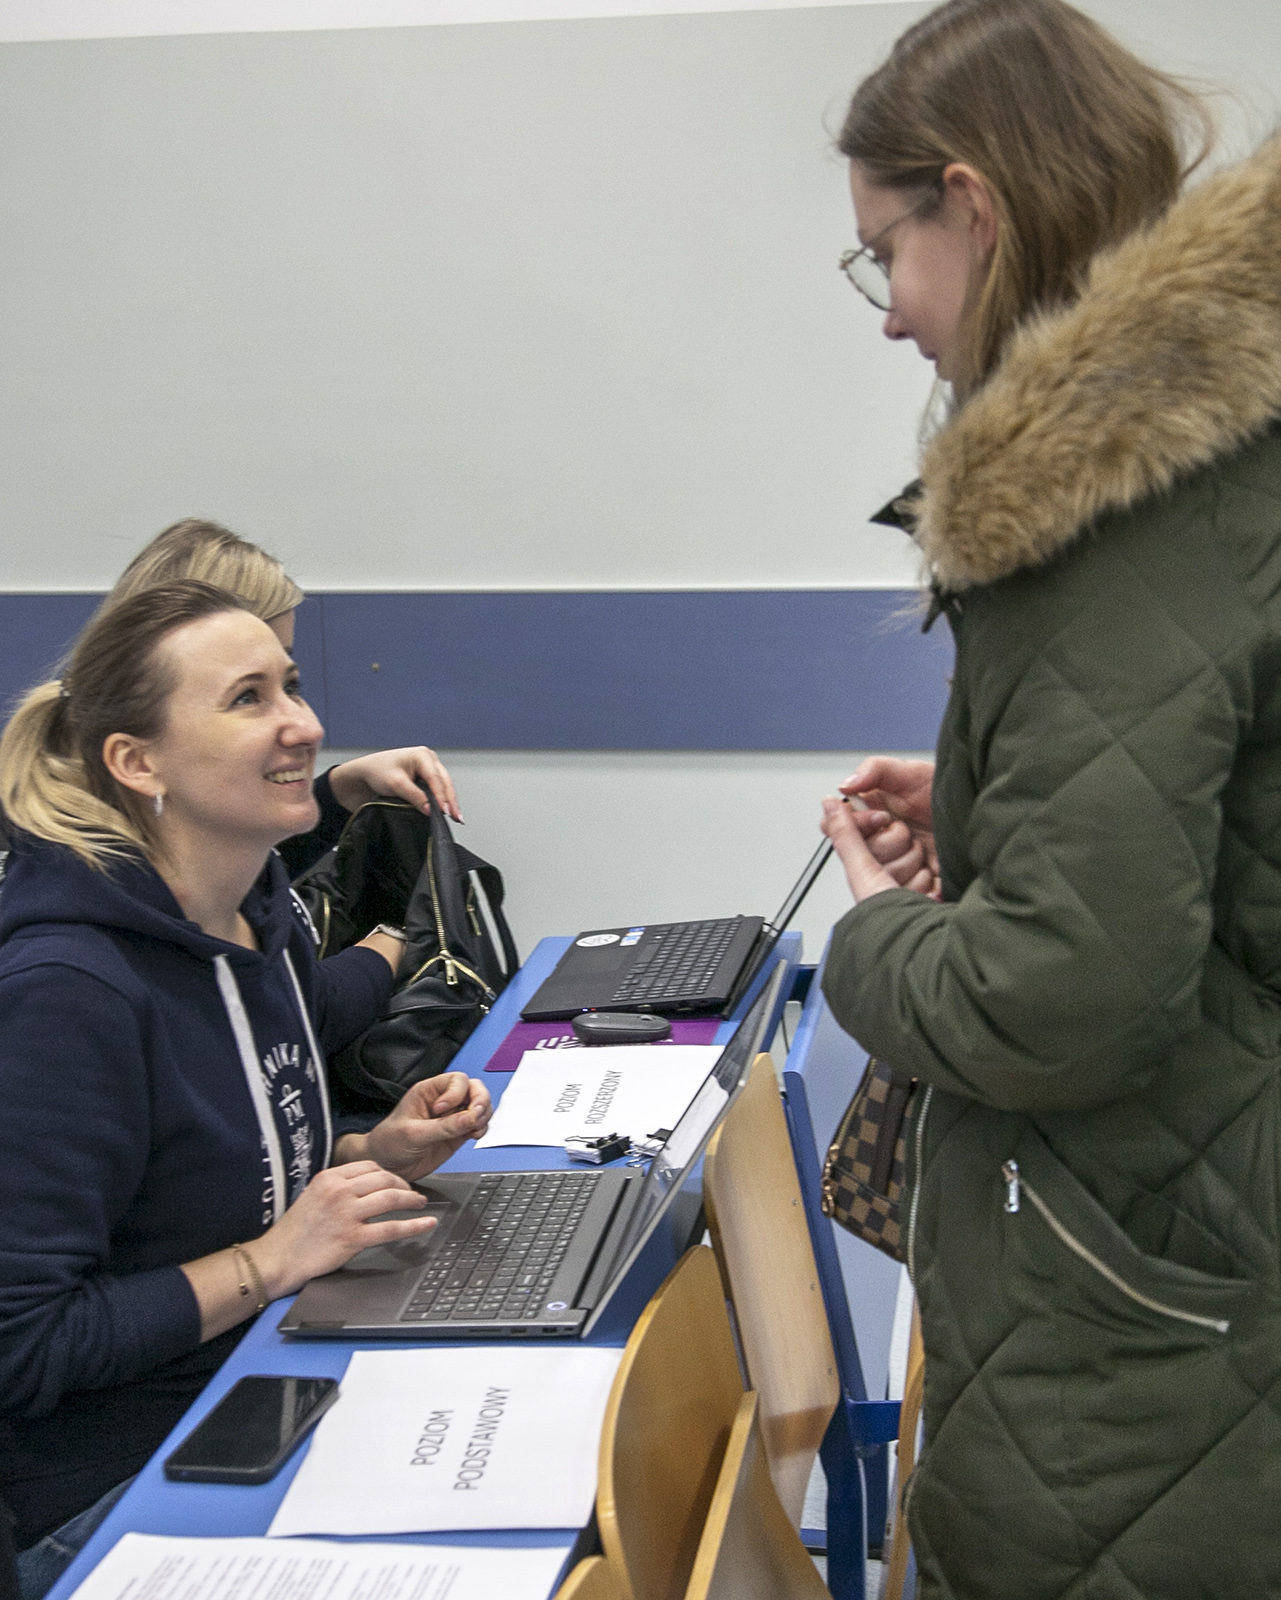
167,1158
195,548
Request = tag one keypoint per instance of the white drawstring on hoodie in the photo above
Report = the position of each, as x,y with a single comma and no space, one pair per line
239,1019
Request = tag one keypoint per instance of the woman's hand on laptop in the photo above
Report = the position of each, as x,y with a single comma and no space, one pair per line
436,1117
330,1221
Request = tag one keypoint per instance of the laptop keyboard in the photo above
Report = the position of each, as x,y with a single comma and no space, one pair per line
505,1248
679,962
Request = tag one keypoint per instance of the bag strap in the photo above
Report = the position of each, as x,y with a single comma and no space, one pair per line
896,1099
491,881
447,876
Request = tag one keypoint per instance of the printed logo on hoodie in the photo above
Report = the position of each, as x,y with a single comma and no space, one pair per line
287,1077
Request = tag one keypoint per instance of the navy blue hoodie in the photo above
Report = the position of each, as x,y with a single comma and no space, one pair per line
160,1099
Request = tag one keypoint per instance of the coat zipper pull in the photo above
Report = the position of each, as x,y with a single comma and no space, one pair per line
1010,1172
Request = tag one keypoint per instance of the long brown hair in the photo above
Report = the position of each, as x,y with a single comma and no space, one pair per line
1079,141
54,784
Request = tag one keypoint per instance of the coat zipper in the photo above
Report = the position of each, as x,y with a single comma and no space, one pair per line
919,1142
1016,1185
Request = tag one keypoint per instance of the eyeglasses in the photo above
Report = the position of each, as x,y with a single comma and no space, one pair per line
868,275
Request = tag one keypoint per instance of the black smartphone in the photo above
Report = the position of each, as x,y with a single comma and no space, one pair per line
249,1434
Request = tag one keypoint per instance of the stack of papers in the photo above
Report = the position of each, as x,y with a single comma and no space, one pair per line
145,1567
427,1441
632,1089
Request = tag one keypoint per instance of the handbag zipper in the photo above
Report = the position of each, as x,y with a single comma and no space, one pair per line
1017,1185
919,1141
452,964
459,966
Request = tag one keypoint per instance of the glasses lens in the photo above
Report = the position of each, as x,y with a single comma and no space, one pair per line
870,278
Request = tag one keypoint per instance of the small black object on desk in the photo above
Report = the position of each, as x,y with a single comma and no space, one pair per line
597,1149
620,1027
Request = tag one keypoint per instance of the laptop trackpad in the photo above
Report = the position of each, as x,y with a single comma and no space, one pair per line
406,1253
392,1257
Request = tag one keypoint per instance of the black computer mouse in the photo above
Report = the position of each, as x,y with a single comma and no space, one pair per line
620,1027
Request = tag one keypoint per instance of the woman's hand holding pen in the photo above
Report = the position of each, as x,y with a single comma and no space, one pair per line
890,845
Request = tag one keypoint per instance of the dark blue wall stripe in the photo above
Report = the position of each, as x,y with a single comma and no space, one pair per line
684,670
36,630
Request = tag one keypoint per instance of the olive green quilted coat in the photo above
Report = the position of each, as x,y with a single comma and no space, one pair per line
1094,1012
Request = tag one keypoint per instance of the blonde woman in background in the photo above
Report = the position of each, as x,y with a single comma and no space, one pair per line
212,554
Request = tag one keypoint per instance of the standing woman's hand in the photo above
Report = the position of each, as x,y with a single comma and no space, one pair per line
855,835
401,774
900,826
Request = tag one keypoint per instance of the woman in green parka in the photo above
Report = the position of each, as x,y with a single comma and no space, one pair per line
1069,931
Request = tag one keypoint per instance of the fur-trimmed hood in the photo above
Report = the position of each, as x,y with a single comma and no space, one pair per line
1170,358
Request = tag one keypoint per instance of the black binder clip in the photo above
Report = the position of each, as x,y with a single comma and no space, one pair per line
646,1149
596,1149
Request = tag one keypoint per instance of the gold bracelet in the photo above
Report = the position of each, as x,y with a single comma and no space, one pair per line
241,1254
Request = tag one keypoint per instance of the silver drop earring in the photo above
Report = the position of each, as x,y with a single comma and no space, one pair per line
158,801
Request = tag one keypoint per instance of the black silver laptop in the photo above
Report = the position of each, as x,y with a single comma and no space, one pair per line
673,968
526,1254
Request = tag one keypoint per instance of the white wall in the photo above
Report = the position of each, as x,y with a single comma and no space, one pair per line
503,305
536,305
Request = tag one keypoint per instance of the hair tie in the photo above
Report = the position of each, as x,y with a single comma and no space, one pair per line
64,693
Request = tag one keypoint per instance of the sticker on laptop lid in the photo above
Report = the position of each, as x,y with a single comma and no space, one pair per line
591,940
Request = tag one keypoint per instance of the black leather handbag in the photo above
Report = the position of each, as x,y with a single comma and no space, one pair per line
393,864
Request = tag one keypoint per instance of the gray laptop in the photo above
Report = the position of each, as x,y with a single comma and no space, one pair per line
518,1255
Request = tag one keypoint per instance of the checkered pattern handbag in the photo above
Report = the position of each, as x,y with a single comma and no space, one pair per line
863,1173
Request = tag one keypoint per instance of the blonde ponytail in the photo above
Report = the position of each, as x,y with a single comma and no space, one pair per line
54,784
43,787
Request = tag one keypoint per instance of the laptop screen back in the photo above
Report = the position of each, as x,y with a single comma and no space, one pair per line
690,1136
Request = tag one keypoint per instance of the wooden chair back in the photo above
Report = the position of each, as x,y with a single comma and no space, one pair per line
749,1549
762,1242
909,1421
592,1579
666,1426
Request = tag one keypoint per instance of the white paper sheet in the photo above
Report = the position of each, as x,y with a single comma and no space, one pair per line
425,1441
631,1089
146,1567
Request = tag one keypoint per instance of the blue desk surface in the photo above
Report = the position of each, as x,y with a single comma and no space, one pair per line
155,1505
